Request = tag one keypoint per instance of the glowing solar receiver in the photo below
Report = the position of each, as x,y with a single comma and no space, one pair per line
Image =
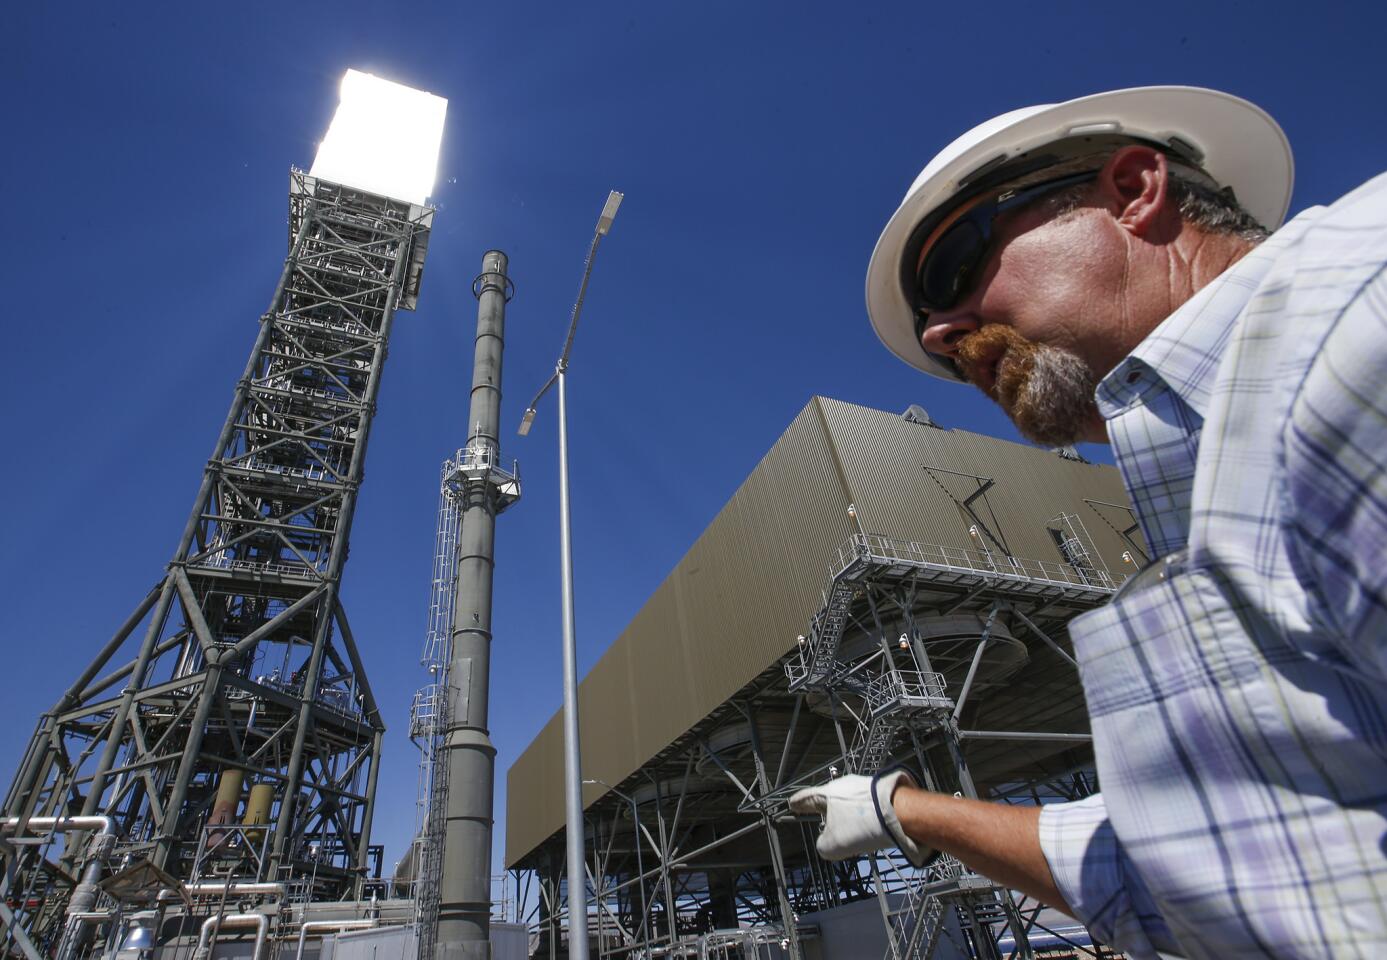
384,138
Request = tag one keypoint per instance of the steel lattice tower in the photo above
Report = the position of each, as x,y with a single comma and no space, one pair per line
237,677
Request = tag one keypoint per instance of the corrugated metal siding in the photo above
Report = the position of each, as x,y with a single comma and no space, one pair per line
732,605
534,790
884,459
662,679
752,580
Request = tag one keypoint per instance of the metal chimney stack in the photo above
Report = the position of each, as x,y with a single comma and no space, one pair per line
464,910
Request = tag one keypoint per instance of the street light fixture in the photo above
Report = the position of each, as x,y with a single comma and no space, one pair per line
572,775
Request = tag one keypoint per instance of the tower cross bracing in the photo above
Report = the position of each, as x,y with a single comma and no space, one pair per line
234,693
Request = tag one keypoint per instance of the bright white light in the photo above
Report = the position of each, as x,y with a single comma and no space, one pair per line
384,138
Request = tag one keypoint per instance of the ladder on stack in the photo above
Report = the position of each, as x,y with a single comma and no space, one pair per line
429,716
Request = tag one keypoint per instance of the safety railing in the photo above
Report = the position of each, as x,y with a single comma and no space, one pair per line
223,562
796,670
910,687
312,472
426,714
947,867
483,460
865,545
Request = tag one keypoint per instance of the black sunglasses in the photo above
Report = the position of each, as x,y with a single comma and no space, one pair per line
950,267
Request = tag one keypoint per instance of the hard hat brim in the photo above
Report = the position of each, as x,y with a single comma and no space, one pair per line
1235,141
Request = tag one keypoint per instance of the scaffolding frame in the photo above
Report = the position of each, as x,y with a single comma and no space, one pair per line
240,661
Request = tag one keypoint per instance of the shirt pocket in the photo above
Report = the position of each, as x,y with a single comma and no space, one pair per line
1170,631
1180,713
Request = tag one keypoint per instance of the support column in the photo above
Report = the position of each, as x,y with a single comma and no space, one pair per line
363,851
671,915
787,912
722,898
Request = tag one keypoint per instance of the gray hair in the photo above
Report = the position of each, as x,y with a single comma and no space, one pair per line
1201,204
1215,211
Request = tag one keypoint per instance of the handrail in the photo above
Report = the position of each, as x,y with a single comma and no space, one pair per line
808,662
896,685
874,546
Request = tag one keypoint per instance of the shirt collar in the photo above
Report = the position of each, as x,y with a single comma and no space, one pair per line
1184,350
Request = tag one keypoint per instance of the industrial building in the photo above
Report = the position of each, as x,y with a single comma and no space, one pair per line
879,590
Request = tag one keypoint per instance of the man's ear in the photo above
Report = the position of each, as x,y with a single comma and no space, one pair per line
1135,183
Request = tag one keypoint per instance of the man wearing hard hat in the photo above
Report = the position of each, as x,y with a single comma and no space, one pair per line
1103,269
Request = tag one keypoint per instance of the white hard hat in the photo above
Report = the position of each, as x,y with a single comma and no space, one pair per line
1233,141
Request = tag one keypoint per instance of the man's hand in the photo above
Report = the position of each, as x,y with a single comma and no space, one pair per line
862,814
859,816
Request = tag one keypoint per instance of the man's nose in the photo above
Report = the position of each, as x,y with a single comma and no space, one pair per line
943,332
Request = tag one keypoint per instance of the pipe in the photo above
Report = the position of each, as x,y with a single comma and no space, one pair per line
226,804
258,804
84,896
326,925
216,889
103,825
262,930
1025,735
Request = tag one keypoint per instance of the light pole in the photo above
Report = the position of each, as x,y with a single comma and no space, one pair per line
572,771
640,862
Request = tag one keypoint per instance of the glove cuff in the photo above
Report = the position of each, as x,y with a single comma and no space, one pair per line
883,786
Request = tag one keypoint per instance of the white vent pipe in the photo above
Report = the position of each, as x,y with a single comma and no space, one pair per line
262,930
325,926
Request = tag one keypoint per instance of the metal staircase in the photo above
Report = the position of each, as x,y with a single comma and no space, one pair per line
949,891
873,746
820,648
887,698
894,700
917,921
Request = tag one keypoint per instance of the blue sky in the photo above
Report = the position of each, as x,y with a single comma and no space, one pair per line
761,148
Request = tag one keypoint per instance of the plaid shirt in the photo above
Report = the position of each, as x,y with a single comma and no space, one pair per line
1238,685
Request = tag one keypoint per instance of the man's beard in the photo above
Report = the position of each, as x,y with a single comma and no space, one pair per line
1047,391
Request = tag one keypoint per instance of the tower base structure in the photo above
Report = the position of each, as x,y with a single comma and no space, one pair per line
226,736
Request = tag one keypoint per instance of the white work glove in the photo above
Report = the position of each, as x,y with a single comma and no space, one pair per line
859,817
